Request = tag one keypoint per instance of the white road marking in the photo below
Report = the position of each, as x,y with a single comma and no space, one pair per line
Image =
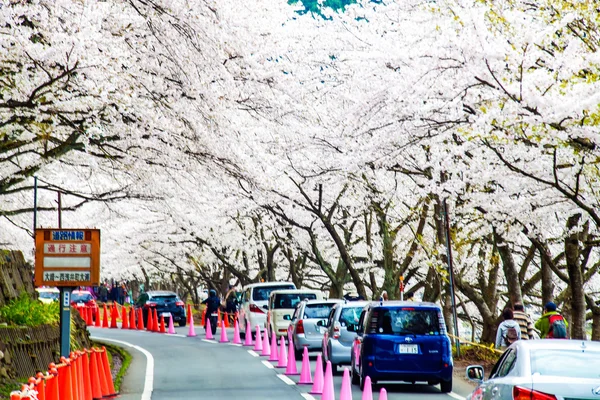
149,378
307,396
268,364
253,353
286,379
208,341
456,396
235,344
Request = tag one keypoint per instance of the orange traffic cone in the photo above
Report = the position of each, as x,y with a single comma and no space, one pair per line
64,382
140,319
125,323
52,386
132,319
95,376
204,317
75,376
218,318
162,324
105,319
149,321
114,315
226,318
97,317
155,327
87,383
102,374
109,380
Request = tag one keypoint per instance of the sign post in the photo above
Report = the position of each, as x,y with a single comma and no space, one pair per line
67,258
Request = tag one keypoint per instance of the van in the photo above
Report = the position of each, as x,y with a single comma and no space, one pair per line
402,341
282,304
254,304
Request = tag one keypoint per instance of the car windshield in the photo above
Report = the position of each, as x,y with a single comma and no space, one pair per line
163,298
350,316
408,321
566,363
290,300
263,293
81,297
49,295
319,311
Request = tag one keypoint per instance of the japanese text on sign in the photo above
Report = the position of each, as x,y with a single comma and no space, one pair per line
66,276
67,248
67,235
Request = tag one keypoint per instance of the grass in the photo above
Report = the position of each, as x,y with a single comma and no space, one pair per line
27,311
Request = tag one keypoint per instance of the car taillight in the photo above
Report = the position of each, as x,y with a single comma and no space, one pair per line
299,327
336,330
91,303
374,321
179,303
150,304
521,393
254,308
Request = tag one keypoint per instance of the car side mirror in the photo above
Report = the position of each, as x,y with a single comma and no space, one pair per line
287,317
266,307
475,373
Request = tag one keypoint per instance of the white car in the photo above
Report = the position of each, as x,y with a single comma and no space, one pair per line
48,294
281,307
254,304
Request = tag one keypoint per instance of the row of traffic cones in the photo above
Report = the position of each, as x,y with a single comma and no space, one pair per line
128,318
85,375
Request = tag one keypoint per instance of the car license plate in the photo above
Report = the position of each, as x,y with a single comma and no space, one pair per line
166,314
408,349
80,304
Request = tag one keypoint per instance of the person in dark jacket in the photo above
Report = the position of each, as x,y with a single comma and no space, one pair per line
212,309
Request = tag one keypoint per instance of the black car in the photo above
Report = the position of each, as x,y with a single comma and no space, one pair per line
165,303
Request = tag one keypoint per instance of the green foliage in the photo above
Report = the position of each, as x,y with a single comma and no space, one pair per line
477,353
26,311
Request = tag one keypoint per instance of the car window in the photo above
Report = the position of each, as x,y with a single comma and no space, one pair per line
350,316
498,366
81,297
49,295
508,364
290,300
566,363
162,298
262,293
317,310
407,321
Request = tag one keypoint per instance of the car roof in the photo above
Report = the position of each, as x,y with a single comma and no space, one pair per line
292,291
399,303
161,293
329,301
354,303
266,284
558,344
47,289
81,291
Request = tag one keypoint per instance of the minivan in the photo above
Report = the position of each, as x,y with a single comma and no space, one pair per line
253,307
282,304
402,341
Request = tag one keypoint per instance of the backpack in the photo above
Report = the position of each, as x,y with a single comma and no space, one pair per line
511,336
558,328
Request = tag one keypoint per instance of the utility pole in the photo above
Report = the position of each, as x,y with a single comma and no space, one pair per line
451,275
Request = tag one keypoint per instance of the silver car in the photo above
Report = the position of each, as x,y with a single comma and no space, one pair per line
307,321
337,340
546,369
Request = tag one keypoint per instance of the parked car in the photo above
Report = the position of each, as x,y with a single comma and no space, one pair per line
253,307
547,369
402,341
281,307
165,303
81,298
48,294
337,339
307,325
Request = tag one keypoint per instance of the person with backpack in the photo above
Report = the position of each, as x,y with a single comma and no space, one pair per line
509,330
523,320
552,325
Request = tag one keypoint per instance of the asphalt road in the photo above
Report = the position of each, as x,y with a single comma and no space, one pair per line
181,367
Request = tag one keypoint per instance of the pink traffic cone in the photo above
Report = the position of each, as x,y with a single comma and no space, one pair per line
346,391
191,330
274,356
383,394
317,387
291,368
305,378
236,333
282,354
368,390
248,335
224,338
328,393
266,350
258,342
209,334
171,330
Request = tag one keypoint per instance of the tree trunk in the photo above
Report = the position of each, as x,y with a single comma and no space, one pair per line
547,284
511,272
572,252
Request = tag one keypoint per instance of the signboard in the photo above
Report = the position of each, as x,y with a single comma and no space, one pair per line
67,257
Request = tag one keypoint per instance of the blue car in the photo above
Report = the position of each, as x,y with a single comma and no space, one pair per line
402,341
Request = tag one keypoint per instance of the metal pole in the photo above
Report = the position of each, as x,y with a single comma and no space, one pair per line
59,212
451,273
65,321
34,205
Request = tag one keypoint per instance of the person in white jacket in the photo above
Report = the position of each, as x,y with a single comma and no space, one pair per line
509,330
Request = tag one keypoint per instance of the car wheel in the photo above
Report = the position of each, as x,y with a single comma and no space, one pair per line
446,386
182,322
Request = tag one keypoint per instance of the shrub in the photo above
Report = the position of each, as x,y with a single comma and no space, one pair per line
26,311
